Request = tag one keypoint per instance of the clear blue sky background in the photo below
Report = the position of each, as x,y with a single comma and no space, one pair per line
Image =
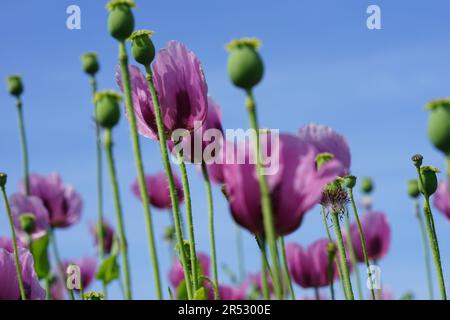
323,65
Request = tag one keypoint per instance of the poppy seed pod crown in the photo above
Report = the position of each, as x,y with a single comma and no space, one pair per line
15,86
428,176
439,124
323,158
120,19
245,66
90,63
107,108
142,47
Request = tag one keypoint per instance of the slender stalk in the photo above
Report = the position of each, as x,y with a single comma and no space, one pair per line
212,237
330,277
338,267
342,256
266,203
23,143
425,249
351,250
16,251
123,57
98,151
432,237
173,192
286,269
363,242
51,234
119,215
240,253
264,282
316,293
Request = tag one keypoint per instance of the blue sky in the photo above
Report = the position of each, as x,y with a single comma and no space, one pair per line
322,65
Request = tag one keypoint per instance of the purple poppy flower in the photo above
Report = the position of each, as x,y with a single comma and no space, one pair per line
377,235
181,87
9,289
442,199
309,267
325,139
158,189
88,269
63,203
294,188
176,274
21,204
232,293
108,235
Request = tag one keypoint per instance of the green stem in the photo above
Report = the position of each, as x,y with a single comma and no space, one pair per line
266,203
363,242
286,269
353,257
23,143
98,151
212,237
264,282
51,234
342,256
336,260
425,249
123,57
316,293
173,192
432,237
240,253
330,276
119,215
16,251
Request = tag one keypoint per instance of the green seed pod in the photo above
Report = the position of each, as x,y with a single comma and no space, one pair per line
121,19
428,175
350,182
413,188
142,47
331,251
3,179
417,159
15,86
323,158
439,124
90,63
108,109
245,66
27,222
367,185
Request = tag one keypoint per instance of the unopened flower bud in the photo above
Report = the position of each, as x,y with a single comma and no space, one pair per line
245,66
417,160
15,86
107,108
413,188
439,124
90,63
121,19
3,179
428,175
323,158
331,250
349,182
142,47
366,185
27,222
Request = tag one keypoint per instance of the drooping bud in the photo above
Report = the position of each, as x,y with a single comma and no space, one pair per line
349,182
27,222
15,86
417,160
367,185
245,66
142,47
3,179
413,188
107,108
121,19
323,158
428,175
90,63
439,124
